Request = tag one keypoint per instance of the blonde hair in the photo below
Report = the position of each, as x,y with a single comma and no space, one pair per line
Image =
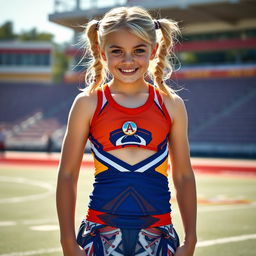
139,22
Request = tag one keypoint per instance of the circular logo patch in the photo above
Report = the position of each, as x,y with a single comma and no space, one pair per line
129,128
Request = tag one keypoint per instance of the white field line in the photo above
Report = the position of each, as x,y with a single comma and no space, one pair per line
50,190
36,252
7,223
39,221
199,244
27,222
225,240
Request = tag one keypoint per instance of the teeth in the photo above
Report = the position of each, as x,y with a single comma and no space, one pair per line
128,70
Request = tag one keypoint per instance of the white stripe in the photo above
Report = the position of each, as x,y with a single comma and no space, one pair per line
120,143
38,252
171,249
150,164
7,223
104,99
156,99
122,169
225,240
107,160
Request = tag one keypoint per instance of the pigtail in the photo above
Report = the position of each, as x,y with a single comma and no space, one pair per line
169,30
94,72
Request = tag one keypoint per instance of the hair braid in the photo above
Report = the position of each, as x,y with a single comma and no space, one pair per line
139,22
169,31
94,76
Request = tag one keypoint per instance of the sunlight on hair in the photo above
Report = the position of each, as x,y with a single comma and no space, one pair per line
139,22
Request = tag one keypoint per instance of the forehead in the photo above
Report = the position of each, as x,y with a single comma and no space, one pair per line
123,38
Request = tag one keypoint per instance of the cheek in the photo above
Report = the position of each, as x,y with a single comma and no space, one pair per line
144,60
111,61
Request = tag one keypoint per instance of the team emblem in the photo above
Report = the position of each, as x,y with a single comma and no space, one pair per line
129,128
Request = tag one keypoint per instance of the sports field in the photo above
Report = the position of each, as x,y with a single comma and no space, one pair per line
28,220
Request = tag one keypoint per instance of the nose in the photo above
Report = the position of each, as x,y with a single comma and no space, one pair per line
128,58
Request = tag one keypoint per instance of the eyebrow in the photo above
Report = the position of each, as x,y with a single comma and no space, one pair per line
116,46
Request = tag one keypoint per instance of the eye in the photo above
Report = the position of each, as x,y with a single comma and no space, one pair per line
139,51
116,52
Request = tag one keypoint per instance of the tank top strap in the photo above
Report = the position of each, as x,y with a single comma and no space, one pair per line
158,99
101,103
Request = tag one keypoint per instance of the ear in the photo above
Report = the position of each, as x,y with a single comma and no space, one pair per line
153,53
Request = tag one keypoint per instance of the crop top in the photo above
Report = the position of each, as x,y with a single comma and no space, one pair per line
115,126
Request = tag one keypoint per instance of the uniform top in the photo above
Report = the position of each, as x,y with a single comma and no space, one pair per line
122,192
114,126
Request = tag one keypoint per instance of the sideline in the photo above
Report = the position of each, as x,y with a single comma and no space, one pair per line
200,165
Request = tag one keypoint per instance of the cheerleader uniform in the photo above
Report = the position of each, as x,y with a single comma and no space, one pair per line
129,208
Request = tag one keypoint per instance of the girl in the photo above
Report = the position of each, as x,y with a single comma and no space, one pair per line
132,126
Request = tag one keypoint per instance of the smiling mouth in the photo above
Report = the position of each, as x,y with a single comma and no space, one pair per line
128,71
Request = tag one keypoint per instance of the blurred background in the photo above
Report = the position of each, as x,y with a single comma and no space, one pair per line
40,75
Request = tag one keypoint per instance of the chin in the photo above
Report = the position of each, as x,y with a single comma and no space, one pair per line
128,81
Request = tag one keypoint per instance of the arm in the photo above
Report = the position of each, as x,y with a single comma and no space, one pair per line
183,176
68,171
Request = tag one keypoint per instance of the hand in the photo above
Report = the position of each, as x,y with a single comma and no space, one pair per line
79,251
184,251
75,251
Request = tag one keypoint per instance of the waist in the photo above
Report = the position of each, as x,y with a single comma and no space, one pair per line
129,221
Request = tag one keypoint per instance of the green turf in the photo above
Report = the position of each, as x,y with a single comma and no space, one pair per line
214,221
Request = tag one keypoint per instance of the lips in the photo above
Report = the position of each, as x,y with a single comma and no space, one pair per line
127,71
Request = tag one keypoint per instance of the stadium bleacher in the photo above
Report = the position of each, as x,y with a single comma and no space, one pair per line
31,110
221,113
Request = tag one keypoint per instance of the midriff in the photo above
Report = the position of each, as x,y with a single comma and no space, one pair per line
132,155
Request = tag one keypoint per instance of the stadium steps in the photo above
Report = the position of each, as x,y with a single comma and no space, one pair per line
34,136
231,124
220,110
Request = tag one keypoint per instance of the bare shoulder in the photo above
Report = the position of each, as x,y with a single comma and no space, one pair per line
85,104
86,99
175,105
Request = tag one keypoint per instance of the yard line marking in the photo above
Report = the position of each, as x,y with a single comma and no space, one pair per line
37,252
7,223
45,228
27,222
39,221
31,222
226,240
50,189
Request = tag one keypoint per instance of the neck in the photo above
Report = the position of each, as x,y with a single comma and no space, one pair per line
138,86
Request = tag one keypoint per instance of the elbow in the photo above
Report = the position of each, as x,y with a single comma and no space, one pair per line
183,174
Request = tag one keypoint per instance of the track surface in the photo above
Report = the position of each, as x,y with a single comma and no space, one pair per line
201,165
